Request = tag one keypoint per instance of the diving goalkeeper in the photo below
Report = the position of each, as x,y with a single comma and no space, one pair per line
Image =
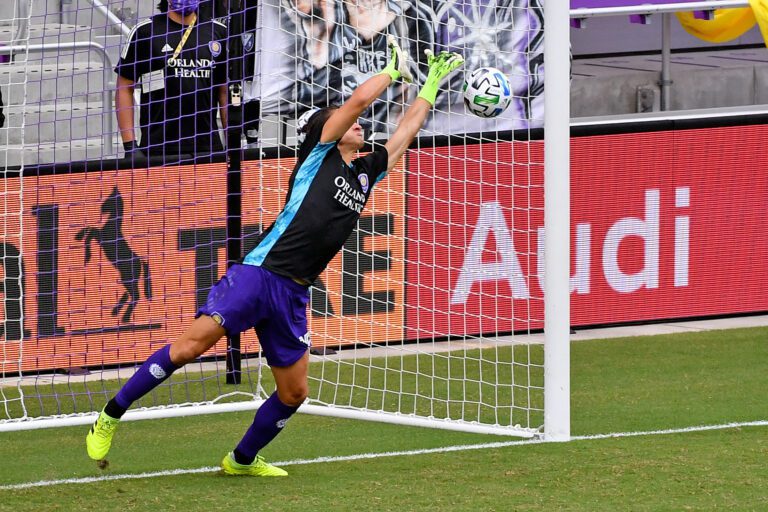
269,289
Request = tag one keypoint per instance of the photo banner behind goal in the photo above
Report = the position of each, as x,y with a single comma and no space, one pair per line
316,53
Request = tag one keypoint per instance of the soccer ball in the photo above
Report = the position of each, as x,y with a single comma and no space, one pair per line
487,92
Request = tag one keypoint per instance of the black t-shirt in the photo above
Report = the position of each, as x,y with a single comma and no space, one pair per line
179,98
325,198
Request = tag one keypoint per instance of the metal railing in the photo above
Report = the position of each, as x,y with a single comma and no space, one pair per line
21,8
111,17
648,9
106,93
666,10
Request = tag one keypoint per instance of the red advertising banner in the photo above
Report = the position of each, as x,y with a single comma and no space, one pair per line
102,268
473,216
666,224
672,224
103,265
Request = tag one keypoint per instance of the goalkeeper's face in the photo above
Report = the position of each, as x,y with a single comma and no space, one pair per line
354,137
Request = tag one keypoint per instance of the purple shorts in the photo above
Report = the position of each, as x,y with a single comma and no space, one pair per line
275,306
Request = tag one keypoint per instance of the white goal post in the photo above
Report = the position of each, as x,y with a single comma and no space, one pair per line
557,222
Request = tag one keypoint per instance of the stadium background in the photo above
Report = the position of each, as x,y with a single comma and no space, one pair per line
665,221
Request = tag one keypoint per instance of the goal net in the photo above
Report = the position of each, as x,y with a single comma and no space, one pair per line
433,313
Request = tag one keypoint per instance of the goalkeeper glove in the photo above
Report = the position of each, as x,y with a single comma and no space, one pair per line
440,66
398,62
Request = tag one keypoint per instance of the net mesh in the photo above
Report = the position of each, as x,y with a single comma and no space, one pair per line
426,311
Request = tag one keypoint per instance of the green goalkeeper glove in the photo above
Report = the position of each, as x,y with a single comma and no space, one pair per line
398,62
440,66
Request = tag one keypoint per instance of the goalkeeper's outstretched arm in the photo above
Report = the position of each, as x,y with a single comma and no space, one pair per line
346,115
440,66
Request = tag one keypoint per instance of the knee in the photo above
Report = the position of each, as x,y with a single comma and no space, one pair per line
183,352
294,396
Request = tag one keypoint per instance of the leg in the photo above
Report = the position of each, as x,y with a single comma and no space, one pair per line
128,313
291,381
233,301
252,115
200,336
132,287
271,417
285,343
120,304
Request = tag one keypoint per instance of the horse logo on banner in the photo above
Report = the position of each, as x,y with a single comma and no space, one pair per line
129,264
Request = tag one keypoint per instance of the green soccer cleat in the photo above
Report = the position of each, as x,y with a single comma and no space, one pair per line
99,438
260,467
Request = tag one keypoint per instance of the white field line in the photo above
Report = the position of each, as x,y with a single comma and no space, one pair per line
362,456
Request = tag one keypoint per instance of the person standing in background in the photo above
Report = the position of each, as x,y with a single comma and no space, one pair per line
179,62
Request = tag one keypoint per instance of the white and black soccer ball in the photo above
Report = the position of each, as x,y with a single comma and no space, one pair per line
487,92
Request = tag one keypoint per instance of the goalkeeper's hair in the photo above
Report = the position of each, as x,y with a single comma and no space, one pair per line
162,6
318,118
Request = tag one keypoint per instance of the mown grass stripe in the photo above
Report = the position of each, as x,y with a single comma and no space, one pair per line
318,460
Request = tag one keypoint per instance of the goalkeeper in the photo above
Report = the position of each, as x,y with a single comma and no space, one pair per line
269,289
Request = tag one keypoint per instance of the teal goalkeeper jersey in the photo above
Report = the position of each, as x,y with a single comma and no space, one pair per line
325,198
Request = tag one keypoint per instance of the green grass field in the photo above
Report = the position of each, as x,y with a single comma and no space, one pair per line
624,385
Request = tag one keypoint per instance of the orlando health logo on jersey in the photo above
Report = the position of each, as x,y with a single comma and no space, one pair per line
347,195
191,68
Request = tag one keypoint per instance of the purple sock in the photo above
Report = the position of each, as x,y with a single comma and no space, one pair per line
154,371
268,422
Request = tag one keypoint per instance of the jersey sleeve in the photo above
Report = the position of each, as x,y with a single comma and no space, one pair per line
136,54
373,164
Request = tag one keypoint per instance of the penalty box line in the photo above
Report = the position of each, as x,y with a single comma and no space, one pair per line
363,456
